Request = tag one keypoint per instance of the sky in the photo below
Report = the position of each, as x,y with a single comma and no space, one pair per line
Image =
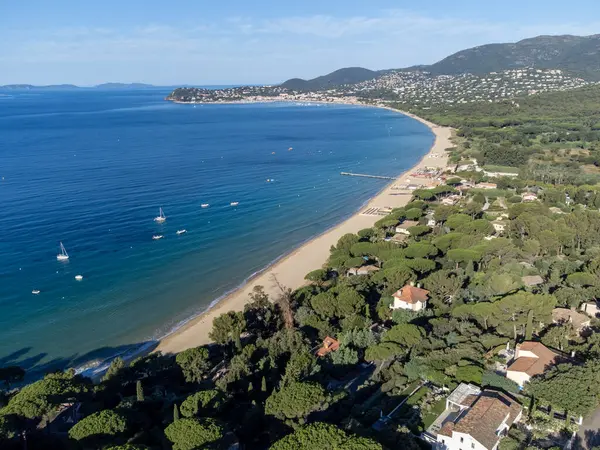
202,42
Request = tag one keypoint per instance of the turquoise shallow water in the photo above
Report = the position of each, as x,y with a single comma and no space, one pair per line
92,168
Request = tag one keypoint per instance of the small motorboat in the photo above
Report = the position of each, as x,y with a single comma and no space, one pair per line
181,231
63,255
272,153
290,149
35,292
234,203
156,237
161,216
79,277
204,205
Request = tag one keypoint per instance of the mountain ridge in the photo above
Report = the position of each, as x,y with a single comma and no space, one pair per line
579,55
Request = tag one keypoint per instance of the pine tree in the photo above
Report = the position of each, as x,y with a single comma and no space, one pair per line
529,327
139,389
175,412
263,386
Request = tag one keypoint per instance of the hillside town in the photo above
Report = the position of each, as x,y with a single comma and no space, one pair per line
417,89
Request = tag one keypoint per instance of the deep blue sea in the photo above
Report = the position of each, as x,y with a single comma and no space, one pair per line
91,169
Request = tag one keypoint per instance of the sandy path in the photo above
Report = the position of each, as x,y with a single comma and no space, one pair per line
291,269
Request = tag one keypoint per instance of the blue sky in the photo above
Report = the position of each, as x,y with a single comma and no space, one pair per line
239,41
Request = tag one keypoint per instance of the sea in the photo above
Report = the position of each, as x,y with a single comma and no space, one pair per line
91,168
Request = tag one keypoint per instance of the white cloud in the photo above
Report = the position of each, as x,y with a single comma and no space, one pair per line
250,49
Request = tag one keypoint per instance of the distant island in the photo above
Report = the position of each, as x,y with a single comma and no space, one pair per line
74,87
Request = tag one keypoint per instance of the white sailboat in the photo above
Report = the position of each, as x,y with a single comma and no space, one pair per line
63,255
161,216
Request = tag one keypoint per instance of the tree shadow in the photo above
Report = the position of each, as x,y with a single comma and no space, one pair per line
592,438
91,364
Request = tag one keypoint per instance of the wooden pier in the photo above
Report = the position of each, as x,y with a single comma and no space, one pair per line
350,174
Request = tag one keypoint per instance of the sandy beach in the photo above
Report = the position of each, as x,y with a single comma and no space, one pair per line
291,269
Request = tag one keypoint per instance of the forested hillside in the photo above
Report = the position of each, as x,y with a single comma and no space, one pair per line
578,54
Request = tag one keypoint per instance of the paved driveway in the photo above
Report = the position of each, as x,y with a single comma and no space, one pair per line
589,431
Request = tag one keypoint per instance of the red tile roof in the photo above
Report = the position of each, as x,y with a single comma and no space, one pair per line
485,417
411,294
329,345
533,366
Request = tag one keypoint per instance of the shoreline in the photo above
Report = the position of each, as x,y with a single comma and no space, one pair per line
290,268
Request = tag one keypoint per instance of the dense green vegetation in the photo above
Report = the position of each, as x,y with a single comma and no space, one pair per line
547,137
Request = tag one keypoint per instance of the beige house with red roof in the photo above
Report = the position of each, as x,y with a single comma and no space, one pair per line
531,359
329,345
410,297
475,419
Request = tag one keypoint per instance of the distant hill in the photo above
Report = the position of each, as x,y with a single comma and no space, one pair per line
577,54
123,86
31,86
348,75
72,86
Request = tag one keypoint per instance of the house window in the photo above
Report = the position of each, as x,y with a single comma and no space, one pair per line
461,440
472,444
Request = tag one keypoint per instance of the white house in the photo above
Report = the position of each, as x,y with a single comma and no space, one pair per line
499,226
410,297
591,309
404,226
529,197
362,270
475,419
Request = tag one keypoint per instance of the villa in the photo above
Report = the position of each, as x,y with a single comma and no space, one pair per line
529,197
363,270
474,419
404,226
410,297
531,359
591,309
499,225
329,345
564,315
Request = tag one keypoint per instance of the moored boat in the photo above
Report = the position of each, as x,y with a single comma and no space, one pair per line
161,216
63,255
